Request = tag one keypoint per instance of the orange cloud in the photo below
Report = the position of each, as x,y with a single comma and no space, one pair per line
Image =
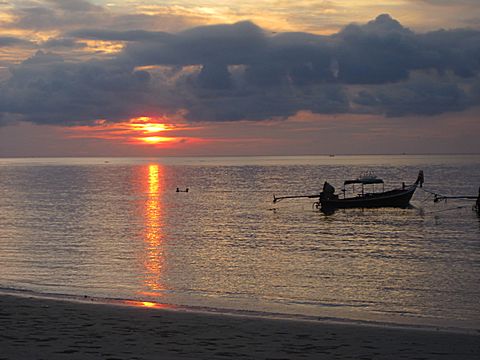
144,130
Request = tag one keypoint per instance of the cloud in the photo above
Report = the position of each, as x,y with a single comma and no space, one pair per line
55,14
14,41
74,5
45,89
233,44
380,51
419,96
450,2
243,72
70,15
457,50
115,35
62,43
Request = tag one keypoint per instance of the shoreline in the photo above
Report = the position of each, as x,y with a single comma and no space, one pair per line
253,314
34,328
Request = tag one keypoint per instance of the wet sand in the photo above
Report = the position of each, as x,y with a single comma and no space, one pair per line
32,328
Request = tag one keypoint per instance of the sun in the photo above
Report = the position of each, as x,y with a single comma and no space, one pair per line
147,131
150,129
147,124
155,139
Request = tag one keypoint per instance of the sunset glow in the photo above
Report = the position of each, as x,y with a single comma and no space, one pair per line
150,129
146,125
193,78
153,235
148,304
144,130
155,139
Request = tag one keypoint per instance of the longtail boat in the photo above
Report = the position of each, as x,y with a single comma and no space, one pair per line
328,201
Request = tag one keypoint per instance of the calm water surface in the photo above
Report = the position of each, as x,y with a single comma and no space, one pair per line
116,228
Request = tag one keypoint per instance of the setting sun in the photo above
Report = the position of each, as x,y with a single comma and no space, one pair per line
147,124
143,130
155,139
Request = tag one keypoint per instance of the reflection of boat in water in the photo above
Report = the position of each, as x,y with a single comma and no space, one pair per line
393,198
328,201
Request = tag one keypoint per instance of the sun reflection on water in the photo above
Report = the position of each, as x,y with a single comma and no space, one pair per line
154,259
148,304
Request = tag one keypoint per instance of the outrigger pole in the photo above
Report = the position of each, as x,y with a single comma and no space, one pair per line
439,197
279,198
446,197
476,207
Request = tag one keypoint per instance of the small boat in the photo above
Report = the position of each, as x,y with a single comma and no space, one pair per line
399,197
328,201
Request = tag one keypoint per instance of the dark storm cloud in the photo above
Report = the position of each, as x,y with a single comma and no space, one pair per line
239,71
62,43
55,14
14,41
71,15
235,44
421,96
378,52
276,103
46,89
456,50
74,5
112,35
383,51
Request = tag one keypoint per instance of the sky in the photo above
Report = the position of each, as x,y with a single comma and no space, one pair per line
206,78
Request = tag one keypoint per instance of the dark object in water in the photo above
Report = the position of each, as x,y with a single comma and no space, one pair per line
439,197
393,198
477,203
178,190
476,207
328,201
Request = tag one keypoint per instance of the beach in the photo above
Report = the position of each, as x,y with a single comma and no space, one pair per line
36,328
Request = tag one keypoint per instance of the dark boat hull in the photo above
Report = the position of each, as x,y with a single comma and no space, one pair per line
393,198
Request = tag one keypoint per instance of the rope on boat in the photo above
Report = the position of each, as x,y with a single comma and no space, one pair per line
444,210
428,191
438,197
427,198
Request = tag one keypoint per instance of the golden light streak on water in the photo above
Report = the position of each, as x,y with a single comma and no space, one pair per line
153,236
148,304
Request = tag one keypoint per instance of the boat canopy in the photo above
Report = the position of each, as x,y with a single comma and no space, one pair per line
364,181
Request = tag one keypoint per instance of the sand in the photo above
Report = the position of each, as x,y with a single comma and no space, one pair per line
32,328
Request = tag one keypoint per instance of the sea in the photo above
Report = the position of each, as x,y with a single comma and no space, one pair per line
117,230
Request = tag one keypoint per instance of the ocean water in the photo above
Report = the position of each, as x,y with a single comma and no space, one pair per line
117,229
